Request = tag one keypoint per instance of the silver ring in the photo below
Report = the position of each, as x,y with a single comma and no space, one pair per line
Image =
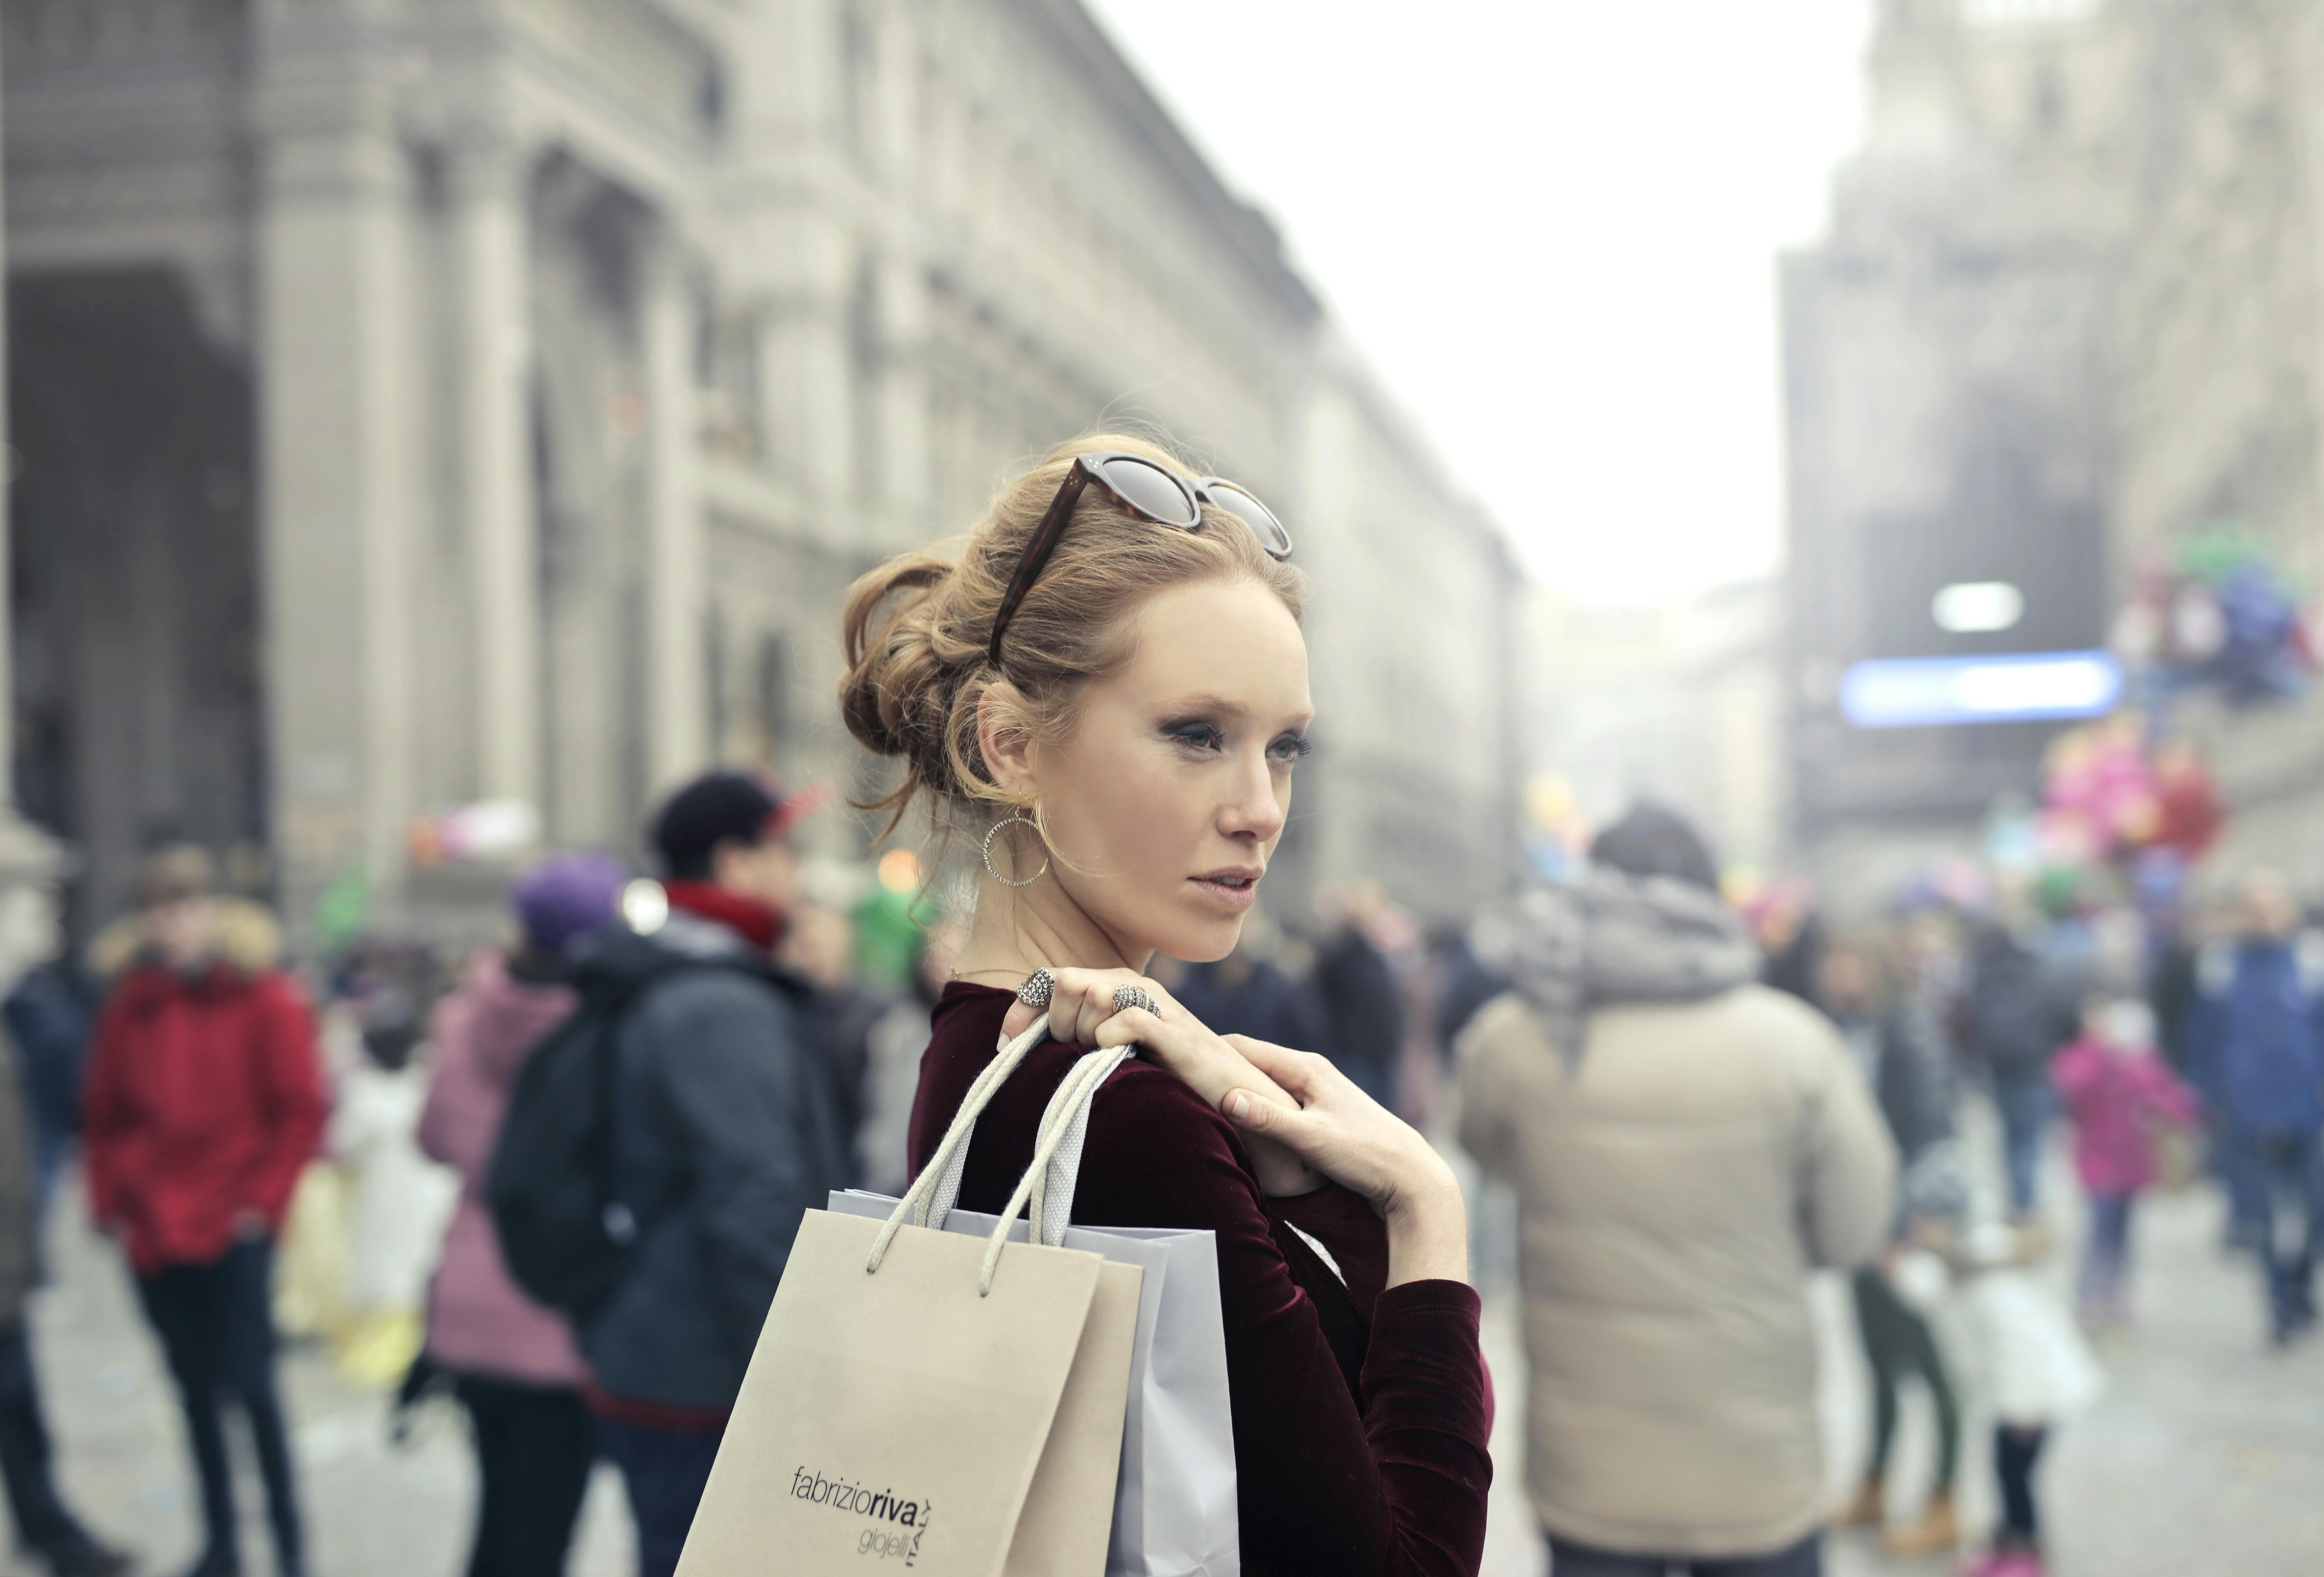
1127,997
1036,990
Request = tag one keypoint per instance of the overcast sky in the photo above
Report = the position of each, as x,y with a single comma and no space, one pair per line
1551,225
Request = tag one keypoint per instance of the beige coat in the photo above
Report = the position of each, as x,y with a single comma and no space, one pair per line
1676,1188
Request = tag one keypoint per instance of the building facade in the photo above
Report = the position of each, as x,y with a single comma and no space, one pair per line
420,402
1951,397
2069,312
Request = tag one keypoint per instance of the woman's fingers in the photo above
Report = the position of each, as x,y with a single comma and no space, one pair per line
1018,1019
1255,1113
1080,999
1300,1073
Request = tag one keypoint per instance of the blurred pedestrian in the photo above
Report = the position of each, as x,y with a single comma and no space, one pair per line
399,1200
819,947
728,1133
205,1102
1363,1006
2019,1013
1687,1145
513,1363
46,1529
1464,983
892,1078
50,1010
2119,1096
2257,1051
2032,1368
1902,1053
1245,993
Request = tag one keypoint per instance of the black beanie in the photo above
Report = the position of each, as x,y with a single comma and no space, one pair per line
710,811
1651,841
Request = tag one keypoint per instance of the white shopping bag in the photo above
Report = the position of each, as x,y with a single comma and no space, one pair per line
1175,1512
918,1400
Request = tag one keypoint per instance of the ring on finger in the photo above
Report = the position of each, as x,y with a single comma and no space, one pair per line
1129,996
1038,987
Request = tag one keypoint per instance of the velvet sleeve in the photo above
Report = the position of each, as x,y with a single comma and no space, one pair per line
1395,1485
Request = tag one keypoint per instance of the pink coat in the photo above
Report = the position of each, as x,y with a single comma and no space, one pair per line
2115,1101
479,1322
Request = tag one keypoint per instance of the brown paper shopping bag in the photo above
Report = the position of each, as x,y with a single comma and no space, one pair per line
927,1402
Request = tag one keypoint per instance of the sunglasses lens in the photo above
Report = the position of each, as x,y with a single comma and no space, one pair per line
1152,490
1271,535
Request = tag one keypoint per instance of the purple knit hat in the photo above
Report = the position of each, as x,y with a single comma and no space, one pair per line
568,896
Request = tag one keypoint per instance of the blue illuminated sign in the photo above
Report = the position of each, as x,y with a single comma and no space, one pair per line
1929,692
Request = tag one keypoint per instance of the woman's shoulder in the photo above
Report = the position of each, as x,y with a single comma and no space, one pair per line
1143,1116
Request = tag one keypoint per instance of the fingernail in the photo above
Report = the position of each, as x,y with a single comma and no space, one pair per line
1237,1104
1002,1043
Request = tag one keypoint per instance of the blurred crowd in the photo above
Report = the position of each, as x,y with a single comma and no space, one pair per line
322,1151
550,1179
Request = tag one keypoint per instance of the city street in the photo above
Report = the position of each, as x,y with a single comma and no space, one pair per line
2207,1456
373,1509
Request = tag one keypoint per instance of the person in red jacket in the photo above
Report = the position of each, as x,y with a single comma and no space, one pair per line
205,1102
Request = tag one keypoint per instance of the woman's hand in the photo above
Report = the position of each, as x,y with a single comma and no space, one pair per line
1341,1131
1080,1013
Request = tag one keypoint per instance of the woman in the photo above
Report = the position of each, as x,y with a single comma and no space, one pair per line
1109,692
515,1362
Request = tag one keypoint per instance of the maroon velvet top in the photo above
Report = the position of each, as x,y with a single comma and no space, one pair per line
1360,1416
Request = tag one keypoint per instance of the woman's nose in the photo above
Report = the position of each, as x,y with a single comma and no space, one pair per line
1254,812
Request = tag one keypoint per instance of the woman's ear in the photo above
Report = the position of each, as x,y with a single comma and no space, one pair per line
1004,738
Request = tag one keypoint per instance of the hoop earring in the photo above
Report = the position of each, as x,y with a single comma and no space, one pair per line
995,871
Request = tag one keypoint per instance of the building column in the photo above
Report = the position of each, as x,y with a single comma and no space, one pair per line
26,852
678,704
337,443
499,510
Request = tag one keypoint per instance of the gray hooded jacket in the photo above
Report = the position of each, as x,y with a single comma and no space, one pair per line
1686,1145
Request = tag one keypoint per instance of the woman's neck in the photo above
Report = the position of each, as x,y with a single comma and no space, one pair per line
1020,930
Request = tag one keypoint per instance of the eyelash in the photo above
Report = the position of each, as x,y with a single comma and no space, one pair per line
1290,747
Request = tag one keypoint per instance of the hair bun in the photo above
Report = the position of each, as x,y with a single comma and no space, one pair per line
893,696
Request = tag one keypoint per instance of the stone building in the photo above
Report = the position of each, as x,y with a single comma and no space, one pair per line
2070,309
2220,410
418,402
1950,392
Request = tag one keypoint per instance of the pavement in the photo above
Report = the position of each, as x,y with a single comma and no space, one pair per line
374,1509
2205,1457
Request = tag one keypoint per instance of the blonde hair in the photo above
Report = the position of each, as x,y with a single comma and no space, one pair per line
917,628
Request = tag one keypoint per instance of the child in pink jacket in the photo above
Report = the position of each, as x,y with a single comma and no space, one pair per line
2119,1096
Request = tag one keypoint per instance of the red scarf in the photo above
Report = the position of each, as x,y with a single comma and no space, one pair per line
759,924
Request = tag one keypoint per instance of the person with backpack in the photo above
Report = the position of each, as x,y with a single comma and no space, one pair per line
513,1363
658,1150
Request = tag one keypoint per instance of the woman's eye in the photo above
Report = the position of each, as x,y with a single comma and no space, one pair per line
1289,747
1203,736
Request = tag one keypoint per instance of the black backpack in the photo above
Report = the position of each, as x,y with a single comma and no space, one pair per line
554,1187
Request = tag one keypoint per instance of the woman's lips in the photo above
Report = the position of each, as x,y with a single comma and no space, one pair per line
1235,893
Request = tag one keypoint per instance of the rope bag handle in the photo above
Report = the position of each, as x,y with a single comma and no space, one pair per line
1048,1184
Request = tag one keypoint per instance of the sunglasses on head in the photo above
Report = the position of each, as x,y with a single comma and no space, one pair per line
1138,487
